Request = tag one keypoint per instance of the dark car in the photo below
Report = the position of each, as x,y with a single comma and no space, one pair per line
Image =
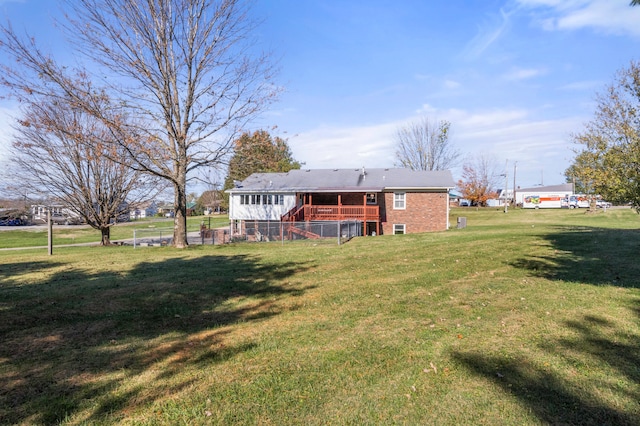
11,221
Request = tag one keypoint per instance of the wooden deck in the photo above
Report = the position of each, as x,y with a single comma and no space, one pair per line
318,212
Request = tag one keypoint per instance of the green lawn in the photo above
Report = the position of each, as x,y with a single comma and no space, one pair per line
64,235
529,317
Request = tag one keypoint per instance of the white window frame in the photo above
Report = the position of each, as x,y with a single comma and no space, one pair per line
372,198
399,200
399,227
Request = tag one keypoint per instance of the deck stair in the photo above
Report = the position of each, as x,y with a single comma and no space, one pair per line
303,232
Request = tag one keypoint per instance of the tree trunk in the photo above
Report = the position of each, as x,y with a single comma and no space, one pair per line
106,236
180,216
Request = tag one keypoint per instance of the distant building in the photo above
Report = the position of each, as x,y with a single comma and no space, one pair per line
143,210
59,214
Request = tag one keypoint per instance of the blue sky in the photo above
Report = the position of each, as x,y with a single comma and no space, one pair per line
514,77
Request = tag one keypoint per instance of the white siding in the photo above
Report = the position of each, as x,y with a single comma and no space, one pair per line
238,211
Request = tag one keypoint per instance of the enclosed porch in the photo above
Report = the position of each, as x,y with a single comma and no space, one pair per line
338,207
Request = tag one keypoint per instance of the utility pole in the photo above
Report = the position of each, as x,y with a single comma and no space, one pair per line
515,167
506,186
50,234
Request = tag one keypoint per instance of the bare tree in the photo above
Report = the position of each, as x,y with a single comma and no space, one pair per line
64,155
479,179
184,70
425,145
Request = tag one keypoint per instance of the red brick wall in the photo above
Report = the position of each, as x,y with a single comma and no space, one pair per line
424,212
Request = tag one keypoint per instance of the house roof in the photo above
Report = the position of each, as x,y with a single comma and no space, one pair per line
142,204
345,180
565,187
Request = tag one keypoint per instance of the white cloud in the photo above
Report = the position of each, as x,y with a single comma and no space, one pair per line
452,84
591,85
609,16
538,145
334,147
488,33
518,74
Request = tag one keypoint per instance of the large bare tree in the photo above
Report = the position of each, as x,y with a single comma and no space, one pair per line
425,145
63,154
185,71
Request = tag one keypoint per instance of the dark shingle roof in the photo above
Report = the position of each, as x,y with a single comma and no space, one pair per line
331,180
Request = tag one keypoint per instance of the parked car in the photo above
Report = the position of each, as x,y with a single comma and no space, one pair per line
603,204
578,201
11,221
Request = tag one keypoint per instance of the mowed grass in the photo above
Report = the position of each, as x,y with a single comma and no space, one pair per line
11,237
529,317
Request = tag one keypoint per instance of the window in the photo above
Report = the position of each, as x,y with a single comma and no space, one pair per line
372,198
399,201
399,228
264,199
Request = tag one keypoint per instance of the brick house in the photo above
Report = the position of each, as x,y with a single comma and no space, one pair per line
386,201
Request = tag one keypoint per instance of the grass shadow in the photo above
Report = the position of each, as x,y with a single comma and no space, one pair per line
596,256
77,336
596,344
598,369
8,271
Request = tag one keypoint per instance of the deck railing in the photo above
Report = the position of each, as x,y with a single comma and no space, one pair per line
312,212
320,212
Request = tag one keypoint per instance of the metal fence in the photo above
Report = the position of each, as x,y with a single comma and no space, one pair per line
290,231
160,237
258,231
